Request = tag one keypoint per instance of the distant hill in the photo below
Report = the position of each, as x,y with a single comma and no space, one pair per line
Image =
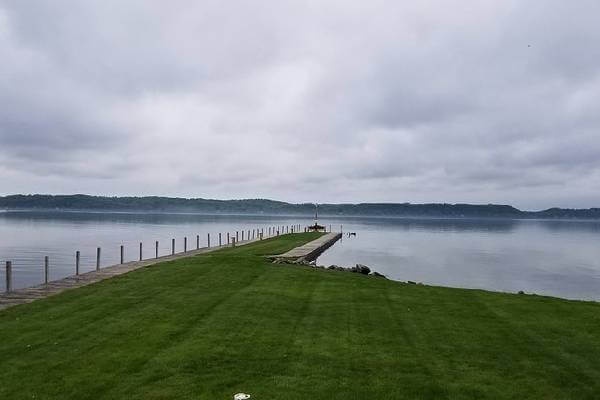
263,206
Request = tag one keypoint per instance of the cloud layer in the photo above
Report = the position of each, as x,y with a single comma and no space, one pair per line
432,101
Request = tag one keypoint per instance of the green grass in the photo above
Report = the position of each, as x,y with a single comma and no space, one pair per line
209,326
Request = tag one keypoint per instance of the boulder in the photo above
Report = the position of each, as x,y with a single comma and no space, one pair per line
362,269
378,275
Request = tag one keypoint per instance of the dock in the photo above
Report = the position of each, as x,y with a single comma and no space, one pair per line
311,250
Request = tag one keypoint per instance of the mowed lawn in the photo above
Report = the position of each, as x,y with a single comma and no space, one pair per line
209,326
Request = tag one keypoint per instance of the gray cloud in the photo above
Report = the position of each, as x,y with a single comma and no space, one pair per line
493,101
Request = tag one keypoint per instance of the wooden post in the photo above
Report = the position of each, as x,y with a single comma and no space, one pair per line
122,254
156,248
220,239
341,230
172,246
185,244
77,260
98,251
8,276
228,238
208,240
236,235
141,251
232,242
197,242
46,268
242,235
261,236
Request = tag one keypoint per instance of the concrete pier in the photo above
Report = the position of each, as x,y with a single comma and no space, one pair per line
311,250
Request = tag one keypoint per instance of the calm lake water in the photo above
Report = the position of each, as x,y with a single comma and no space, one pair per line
557,258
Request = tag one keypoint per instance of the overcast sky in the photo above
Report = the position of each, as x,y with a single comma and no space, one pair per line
330,101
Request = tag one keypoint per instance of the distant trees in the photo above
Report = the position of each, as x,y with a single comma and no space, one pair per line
264,206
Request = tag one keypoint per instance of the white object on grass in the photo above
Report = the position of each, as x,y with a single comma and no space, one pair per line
241,396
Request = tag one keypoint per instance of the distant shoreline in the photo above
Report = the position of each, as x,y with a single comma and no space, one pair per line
155,204
302,216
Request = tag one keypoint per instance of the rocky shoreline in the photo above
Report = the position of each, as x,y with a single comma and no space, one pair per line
358,268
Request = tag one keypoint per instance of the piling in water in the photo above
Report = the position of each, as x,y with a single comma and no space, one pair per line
98,250
77,260
8,276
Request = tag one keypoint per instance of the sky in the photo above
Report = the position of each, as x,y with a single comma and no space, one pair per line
487,101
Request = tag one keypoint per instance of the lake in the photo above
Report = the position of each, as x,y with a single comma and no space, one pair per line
549,257
557,258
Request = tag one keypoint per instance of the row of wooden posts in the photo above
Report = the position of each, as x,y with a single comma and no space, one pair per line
231,240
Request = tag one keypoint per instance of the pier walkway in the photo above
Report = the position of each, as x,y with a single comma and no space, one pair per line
311,250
